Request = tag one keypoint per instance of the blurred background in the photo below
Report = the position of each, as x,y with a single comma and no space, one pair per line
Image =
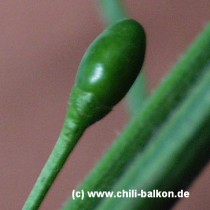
41,44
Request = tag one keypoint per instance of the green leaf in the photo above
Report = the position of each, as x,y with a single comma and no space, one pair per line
152,117
137,95
174,155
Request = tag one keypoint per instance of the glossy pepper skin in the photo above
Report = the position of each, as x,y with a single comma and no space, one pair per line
113,61
110,66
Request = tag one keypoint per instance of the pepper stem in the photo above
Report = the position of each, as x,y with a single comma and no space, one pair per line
68,138
84,110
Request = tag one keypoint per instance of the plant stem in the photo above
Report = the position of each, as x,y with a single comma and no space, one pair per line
112,10
76,122
153,115
69,136
175,155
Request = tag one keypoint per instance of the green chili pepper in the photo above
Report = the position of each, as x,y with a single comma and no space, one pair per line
111,65
107,71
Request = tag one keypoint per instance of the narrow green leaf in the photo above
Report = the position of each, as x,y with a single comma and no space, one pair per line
173,157
137,95
153,115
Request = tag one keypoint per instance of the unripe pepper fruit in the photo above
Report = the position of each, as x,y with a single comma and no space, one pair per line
108,69
106,72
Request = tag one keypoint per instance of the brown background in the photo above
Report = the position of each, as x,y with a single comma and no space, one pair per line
41,43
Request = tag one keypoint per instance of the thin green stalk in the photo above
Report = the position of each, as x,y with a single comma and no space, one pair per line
112,10
175,155
153,115
68,138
